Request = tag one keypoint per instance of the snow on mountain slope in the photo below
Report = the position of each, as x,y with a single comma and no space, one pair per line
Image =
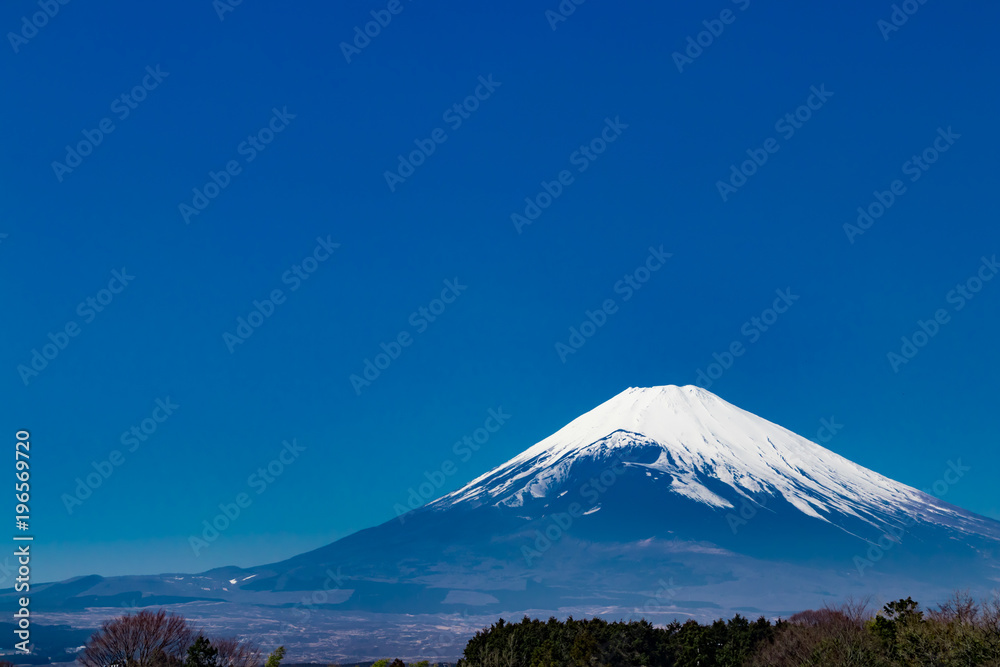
701,436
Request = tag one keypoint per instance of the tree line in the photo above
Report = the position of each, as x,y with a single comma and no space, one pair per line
960,632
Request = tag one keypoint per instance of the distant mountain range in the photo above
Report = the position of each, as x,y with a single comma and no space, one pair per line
663,502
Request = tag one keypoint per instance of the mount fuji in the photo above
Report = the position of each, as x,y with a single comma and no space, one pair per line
663,502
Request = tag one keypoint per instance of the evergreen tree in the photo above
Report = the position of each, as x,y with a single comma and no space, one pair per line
202,654
274,660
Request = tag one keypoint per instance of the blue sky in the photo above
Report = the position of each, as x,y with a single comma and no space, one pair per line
301,139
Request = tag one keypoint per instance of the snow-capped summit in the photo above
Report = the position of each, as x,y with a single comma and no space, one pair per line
702,441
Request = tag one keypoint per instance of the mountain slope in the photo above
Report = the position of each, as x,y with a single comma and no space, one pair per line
659,479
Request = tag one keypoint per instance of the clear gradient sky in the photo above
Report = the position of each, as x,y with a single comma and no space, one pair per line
549,94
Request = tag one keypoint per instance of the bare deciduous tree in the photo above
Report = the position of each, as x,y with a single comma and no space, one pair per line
960,608
236,653
142,639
